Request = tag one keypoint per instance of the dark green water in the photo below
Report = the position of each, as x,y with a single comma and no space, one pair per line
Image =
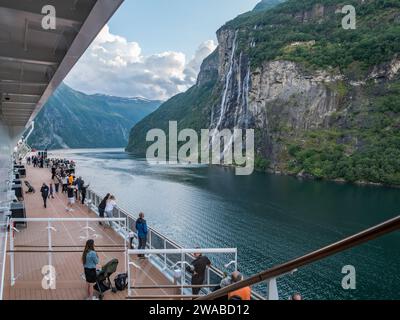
270,219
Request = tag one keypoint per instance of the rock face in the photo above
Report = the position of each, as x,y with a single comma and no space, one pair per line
72,119
278,95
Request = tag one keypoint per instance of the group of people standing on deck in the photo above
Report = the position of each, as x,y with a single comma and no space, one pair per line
62,174
63,181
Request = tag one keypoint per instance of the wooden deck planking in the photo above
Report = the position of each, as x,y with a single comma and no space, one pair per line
70,285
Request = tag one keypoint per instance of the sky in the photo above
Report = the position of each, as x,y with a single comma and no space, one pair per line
153,48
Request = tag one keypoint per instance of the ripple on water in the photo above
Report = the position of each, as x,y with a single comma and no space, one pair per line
270,219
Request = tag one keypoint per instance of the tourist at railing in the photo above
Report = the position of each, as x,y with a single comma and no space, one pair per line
79,183
53,171
198,271
84,188
142,230
110,205
90,260
71,198
241,294
57,182
45,194
102,207
51,191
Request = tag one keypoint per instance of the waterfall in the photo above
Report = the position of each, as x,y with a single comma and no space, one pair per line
240,78
239,91
229,76
246,89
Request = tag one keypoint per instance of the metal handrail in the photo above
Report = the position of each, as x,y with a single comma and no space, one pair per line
92,196
170,286
342,245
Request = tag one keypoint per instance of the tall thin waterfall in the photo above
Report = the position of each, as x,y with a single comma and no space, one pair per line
245,104
227,83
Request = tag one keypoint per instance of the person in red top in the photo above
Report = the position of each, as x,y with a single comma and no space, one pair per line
240,294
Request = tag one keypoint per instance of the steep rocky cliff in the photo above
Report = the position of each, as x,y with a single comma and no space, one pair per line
322,100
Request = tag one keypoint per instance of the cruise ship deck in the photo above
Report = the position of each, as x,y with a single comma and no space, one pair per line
69,237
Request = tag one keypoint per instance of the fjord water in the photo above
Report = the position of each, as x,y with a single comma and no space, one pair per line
269,218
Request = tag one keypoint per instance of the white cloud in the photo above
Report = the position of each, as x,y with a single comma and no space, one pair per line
112,65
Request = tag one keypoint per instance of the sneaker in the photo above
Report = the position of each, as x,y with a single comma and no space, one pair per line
95,298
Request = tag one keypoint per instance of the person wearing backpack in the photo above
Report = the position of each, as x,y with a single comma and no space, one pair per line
141,228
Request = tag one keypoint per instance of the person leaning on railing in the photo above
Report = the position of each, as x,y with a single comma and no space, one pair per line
142,230
102,207
198,271
109,210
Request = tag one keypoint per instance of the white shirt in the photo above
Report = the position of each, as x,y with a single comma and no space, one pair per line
110,205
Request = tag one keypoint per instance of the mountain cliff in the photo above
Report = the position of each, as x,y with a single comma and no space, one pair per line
324,101
72,119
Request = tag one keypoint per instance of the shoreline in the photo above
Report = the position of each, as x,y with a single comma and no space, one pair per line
303,176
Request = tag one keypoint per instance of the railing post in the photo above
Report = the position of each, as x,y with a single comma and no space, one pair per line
165,255
87,230
273,289
49,242
126,245
129,273
119,216
183,272
150,244
12,253
236,263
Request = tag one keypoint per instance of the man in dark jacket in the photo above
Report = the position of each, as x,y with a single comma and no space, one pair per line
102,207
141,228
45,194
83,191
198,271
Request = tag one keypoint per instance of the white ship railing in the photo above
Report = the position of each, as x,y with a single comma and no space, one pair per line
179,275
164,262
50,229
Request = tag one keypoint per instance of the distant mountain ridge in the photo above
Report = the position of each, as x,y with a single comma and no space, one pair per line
72,119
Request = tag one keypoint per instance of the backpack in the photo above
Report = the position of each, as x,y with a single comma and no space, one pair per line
121,281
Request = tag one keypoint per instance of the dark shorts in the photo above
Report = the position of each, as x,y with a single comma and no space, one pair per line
90,275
